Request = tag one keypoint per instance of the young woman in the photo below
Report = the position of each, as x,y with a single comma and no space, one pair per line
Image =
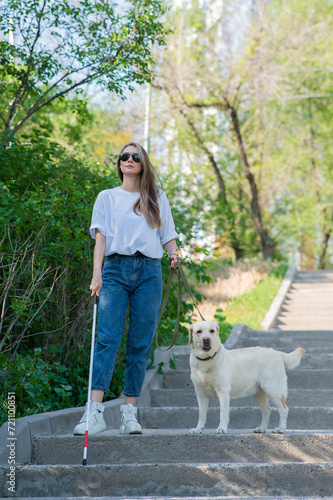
131,224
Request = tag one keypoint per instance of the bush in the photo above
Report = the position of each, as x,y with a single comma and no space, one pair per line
46,202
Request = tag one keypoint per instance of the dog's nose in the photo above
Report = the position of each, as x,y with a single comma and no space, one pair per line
206,342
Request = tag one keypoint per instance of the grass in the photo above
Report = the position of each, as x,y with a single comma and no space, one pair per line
251,307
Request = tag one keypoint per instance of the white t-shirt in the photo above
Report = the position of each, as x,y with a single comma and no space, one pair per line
125,231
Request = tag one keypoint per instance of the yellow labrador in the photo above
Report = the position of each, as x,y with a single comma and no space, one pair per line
224,374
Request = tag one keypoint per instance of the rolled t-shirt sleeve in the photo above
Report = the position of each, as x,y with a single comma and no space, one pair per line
98,218
167,231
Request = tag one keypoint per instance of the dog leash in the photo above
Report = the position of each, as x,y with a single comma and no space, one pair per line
181,277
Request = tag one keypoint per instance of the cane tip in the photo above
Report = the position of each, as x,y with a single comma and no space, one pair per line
84,461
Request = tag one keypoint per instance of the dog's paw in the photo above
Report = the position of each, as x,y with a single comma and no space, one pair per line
259,430
221,430
196,430
278,430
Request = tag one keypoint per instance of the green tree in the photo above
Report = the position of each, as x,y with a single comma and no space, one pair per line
53,48
207,87
292,85
239,84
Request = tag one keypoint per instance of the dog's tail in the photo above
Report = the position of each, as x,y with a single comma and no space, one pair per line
292,359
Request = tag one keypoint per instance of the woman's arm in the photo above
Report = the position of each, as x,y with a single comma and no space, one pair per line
171,248
99,250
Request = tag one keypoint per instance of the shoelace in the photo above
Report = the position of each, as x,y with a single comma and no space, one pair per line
129,416
93,412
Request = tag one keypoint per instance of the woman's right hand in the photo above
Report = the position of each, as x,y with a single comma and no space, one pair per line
96,285
99,250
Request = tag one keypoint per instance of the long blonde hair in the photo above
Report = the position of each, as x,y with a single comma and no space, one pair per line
147,205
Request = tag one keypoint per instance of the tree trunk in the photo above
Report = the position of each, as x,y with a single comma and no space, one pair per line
327,231
267,244
234,242
324,245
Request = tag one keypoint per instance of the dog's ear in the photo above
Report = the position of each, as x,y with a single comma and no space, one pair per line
217,328
190,340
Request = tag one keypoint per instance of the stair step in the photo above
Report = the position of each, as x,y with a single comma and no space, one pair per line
312,302
292,336
288,345
240,418
315,291
314,360
309,276
282,346
305,379
311,298
308,293
181,362
182,479
290,323
201,497
110,447
187,397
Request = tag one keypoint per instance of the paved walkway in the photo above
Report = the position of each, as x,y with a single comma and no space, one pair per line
309,302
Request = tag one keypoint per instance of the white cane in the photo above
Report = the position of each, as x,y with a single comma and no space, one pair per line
85,450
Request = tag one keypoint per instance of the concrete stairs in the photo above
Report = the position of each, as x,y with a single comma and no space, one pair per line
308,304
168,463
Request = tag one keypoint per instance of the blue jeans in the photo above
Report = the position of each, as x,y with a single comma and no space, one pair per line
137,281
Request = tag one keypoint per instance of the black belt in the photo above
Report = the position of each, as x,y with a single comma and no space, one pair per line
136,254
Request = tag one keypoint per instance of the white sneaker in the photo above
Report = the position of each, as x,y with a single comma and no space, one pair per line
129,423
96,420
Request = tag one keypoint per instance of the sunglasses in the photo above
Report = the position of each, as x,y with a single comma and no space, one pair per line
126,156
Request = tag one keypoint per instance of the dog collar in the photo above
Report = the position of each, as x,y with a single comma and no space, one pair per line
211,357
